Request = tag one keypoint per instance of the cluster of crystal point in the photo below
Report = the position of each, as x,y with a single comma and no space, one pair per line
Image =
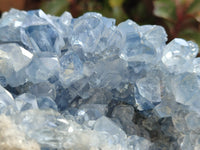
88,84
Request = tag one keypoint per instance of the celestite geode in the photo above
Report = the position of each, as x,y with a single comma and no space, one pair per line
88,84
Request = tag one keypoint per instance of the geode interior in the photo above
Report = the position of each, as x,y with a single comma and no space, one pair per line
88,84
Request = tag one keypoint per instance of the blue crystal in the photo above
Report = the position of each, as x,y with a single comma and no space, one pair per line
86,83
86,36
140,41
43,38
71,67
149,88
41,69
26,101
178,52
46,103
11,23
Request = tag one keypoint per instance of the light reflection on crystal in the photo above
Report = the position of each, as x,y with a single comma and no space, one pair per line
86,83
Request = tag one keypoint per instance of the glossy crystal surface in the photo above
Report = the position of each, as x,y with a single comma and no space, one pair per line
88,84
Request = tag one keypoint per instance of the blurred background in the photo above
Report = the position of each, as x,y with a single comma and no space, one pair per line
180,18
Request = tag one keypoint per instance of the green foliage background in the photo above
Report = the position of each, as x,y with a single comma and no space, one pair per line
181,18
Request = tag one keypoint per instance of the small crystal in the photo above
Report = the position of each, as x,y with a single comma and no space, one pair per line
6,99
26,101
149,88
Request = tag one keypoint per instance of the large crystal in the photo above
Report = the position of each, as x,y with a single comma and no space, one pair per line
149,88
178,53
26,101
14,59
141,44
41,69
87,31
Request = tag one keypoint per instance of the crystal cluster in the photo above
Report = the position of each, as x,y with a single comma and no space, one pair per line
88,84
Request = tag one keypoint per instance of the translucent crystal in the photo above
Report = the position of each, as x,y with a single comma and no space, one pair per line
186,90
113,75
193,121
92,111
178,52
111,37
11,23
156,35
43,89
6,99
149,88
104,124
196,64
72,67
26,101
138,143
15,55
164,109
14,59
140,41
87,30
44,39
63,24
40,69
46,103
88,84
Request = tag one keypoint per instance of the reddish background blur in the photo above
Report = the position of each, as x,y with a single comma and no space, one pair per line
5,5
180,18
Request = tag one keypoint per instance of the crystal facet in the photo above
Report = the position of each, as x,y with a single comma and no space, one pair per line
88,84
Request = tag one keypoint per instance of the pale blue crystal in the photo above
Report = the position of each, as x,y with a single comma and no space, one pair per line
178,52
3,82
86,83
40,69
71,67
193,121
46,103
11,23
15,55
43,89
113,75
138,143
63,24
87,31
43,39
196,64
26,101
14,59
149,88
186,90
104,124
140,42
6,100
92,111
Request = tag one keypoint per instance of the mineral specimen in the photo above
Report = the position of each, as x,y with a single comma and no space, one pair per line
88,84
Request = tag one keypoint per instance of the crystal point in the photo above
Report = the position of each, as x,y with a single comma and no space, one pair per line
87,84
